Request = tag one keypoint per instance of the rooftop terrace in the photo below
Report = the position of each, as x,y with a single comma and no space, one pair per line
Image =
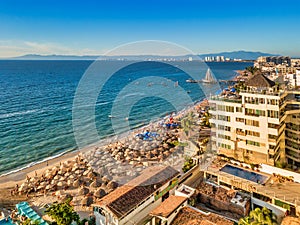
282,189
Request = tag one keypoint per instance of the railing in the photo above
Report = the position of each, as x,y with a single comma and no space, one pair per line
262,92
225,99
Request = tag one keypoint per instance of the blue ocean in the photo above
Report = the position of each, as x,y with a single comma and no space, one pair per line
37,97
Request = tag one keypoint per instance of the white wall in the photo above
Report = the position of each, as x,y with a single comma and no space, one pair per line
174,214
278,211
100,220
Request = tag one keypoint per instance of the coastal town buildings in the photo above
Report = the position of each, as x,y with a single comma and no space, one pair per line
259,124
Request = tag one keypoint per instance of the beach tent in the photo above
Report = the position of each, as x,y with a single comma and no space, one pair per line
26,210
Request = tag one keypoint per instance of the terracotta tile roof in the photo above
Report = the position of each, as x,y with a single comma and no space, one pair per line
188,216
122,200
168,206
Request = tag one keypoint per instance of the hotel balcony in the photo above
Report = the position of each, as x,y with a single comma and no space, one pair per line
263,92
232,99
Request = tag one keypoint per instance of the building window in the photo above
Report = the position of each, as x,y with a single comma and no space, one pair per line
254,143
252,133
252,123
272,114
272,125
239,109
222,145
237,119
271,136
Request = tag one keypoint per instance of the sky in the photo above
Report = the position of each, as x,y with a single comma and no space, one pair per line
88,27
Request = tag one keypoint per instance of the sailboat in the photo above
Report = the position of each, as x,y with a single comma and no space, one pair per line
209,79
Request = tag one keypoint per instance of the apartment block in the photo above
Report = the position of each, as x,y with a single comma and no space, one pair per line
260,124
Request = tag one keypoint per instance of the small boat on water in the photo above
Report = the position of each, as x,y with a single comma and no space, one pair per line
190,80
209,79
111,116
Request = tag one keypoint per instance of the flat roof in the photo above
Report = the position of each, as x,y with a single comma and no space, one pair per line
168,206
125,198
287,191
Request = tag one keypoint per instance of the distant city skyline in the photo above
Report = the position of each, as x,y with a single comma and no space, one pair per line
93,27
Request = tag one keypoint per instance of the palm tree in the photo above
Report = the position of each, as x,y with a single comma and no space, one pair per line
30,222
187,123
206,118
259,217
245,221
63,213
253,70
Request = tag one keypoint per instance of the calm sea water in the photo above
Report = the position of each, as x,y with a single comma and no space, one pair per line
37,96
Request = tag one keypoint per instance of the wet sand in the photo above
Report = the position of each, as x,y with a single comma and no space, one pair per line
8,182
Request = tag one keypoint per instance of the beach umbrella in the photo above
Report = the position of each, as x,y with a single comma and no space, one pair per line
63,167
62,178
59,193
23,187
70,182
105,178
87,201
61,184
91,174
76,183
95,184
165,145
65,197
86,172
83,191
75,167
100,193
78,172
48,187
112,185
67,174
48,174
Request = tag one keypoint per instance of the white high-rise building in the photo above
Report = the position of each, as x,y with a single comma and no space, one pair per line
250,125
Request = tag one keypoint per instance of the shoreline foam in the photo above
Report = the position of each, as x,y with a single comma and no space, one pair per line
11,178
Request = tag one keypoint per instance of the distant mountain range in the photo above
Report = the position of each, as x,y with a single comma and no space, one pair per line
244,55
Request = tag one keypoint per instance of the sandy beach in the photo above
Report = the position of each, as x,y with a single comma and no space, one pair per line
96,153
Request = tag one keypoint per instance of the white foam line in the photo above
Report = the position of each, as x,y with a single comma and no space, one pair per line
108,139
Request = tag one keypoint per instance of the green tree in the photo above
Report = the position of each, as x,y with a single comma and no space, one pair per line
30,222
63,213
259,217
253,70
188,164
205,121
188,123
